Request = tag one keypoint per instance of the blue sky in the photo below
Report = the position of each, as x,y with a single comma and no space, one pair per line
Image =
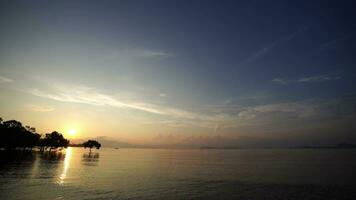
181,69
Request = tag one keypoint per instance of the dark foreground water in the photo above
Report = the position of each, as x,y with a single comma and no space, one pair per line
180,174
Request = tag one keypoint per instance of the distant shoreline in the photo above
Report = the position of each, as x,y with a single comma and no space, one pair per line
339,146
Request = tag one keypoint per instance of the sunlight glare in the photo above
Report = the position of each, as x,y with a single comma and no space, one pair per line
72,132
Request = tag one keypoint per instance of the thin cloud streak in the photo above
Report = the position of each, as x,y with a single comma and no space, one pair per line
280,81
319,78
134,54
155,54
333,43
37,108
263,51
178,117
216,118
90,96
308,79
5,80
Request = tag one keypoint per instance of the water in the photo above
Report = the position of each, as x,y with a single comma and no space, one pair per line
180,174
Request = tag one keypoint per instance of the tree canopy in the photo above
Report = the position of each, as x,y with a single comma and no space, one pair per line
54,140
14,135
91,143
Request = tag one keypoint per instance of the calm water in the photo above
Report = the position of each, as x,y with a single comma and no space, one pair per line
180,174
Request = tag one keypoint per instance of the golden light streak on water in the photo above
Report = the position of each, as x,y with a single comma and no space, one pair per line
66,164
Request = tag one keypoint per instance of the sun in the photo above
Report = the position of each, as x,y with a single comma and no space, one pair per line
72,132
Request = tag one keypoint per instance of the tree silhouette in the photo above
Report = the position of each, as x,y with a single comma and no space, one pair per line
91,143
53,140
14,135
32,137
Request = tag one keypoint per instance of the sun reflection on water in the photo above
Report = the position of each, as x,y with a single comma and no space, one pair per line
66,164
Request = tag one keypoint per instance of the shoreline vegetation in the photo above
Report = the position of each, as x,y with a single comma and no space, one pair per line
15,136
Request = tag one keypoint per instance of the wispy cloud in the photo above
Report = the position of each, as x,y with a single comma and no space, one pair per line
154,54
163,95
263,51
319,78
299,109
254,114
308,79
5,80
280,81
91,96
134,54
216,118
272,113
334,42
37,108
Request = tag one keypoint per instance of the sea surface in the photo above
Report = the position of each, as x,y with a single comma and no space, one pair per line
179,174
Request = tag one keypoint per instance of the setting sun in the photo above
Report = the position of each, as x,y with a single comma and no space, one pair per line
72,132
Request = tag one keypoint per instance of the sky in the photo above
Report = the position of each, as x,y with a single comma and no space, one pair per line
182,73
